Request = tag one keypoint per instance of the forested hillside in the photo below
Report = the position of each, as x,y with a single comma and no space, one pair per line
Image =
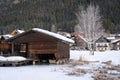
26,14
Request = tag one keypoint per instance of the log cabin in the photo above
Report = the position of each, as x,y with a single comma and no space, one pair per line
41,45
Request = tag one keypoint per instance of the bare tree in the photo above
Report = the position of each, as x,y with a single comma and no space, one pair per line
90,24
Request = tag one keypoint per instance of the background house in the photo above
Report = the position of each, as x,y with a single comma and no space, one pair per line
102,44
16,31
116,44
5,46
79,42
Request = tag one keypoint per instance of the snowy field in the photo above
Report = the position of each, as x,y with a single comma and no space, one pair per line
75,70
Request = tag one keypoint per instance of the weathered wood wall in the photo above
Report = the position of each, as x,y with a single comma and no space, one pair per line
4,49
42,47
63,50
59,49
4,46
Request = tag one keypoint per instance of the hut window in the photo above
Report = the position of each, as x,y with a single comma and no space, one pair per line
23,48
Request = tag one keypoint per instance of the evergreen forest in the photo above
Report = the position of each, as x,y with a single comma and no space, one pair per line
27,14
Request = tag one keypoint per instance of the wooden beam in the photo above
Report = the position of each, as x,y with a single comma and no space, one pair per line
12,48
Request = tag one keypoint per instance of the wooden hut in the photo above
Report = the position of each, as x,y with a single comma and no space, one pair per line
40,45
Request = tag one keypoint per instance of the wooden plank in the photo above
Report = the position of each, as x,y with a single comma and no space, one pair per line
43,51
42,47
63,50
12,48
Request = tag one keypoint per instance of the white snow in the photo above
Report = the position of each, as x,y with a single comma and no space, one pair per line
12,58
58,36
38,72
59,72
15,58
2,58
111,38
113,72
114,56
6,36
20,31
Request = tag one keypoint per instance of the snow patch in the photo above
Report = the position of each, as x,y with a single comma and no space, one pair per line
12,58
116,40
114,56
2,58
15,58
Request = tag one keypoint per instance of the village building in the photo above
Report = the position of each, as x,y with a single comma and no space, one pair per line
117,36
102,44
40,45
116,44
4,46
16,32
80,43
114,41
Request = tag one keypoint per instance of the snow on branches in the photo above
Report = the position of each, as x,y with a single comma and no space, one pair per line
90,24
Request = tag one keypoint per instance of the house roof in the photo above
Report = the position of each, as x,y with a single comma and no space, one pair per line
116,40
102,39
58,36
19,31
45,32
110,38
16,31
6,36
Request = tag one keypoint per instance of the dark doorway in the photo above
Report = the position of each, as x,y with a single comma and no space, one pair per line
44,58
24,50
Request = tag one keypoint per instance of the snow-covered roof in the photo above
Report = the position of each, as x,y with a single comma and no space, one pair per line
102,39
58,36
68,35
118,35
6,36
2,58
116,40
111,38
20,31
114,35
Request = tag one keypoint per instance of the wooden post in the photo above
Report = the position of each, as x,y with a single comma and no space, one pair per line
12,48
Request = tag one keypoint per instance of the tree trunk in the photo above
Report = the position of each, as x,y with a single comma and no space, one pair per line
91,48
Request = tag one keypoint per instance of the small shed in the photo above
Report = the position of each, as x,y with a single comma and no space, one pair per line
40,45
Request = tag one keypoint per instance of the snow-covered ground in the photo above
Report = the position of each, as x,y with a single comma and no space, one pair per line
73,71
36,72
104,56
